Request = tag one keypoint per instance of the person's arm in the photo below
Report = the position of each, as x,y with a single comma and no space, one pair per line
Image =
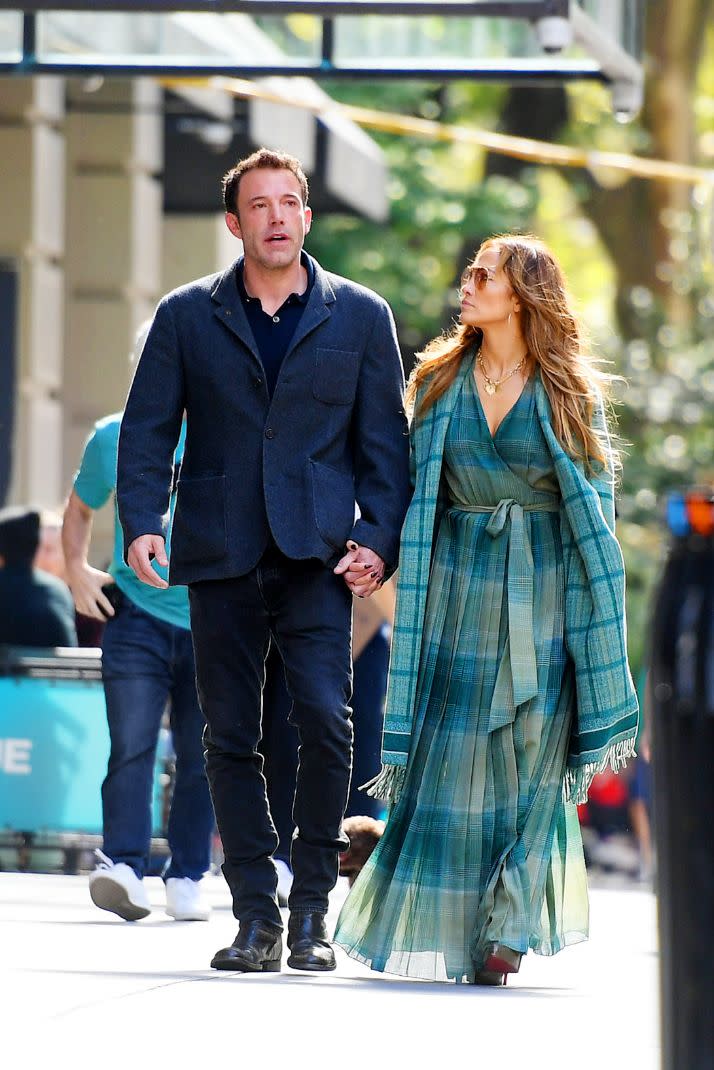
381,455
84,582
150,430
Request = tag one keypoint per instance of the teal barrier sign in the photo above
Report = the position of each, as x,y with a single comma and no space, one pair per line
54,742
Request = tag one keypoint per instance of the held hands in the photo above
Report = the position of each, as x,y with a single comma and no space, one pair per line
141,551
86,585
362,568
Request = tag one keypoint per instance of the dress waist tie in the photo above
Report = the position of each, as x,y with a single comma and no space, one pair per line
519,655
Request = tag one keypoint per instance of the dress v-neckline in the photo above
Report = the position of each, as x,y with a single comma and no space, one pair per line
492,434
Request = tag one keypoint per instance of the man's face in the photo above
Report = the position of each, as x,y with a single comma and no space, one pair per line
271,221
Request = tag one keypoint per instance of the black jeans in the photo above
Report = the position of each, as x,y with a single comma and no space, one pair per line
306,609
279,747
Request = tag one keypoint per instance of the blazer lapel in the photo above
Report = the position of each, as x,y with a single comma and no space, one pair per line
229,310
317,309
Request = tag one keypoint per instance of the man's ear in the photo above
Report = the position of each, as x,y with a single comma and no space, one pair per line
233,224
308,220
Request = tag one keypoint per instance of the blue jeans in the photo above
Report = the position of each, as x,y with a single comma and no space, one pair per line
146,662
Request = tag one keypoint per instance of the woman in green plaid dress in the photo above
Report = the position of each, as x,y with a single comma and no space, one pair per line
510,581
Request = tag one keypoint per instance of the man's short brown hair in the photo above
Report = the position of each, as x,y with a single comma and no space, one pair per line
262,158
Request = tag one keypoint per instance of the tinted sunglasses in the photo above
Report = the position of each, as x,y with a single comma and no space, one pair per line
479,275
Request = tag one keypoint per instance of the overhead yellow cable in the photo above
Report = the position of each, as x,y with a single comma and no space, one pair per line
523,148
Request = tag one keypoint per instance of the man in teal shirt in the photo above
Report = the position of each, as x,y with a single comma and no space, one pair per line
147,661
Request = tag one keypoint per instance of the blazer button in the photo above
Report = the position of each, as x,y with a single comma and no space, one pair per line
269,433
258,382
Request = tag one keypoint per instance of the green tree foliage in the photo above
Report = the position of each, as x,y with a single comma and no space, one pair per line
440,208
637,254
657,242
665,415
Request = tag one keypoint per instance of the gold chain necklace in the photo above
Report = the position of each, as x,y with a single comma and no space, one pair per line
492,385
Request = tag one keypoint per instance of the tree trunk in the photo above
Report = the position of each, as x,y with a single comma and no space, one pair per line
636,221
675,33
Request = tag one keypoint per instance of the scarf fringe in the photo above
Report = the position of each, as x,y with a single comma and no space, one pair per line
577,780
387,785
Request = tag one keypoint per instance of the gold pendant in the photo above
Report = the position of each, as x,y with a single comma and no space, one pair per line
490,389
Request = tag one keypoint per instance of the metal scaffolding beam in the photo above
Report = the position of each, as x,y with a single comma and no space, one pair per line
557,24
521,9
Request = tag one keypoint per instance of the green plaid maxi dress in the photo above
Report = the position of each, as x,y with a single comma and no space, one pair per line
480,847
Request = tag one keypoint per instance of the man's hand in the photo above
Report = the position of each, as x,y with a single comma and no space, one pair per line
139,557
86,584
362,568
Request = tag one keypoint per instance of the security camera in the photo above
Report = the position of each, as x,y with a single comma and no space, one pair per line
554,33
627,98
215,135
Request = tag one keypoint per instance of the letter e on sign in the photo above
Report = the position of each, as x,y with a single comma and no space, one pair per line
15,756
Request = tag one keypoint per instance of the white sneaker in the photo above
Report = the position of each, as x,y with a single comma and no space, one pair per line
285,881
116,887
185,901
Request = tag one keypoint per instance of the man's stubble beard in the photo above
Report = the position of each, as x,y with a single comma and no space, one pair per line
280,259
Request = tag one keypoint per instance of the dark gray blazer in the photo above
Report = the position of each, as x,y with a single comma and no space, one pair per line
324,461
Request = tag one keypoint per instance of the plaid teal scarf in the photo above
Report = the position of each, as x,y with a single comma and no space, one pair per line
606,715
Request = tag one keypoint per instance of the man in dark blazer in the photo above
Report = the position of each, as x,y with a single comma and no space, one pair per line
290,499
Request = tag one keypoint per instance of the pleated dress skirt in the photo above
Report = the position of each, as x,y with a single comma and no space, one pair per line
481,848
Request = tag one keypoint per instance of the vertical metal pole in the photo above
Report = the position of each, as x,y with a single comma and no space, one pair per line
327,55
29,42
682,678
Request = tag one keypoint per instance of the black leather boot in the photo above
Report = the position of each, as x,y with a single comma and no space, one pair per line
257,948
309,947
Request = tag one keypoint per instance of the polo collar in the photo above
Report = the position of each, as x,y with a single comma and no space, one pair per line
293,298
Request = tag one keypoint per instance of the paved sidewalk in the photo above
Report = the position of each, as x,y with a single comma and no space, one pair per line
83,989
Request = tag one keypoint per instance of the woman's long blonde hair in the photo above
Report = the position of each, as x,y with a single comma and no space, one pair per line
573,383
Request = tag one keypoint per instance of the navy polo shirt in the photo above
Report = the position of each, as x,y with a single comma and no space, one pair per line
273,334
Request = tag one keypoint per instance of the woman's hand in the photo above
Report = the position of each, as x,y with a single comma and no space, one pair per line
362,568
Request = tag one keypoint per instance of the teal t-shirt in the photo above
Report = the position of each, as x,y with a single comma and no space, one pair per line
94,483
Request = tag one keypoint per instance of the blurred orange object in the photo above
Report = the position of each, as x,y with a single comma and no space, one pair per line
700,510
609,789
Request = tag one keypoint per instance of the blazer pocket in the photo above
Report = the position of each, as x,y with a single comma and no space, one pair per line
199,526
333,503
335,376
